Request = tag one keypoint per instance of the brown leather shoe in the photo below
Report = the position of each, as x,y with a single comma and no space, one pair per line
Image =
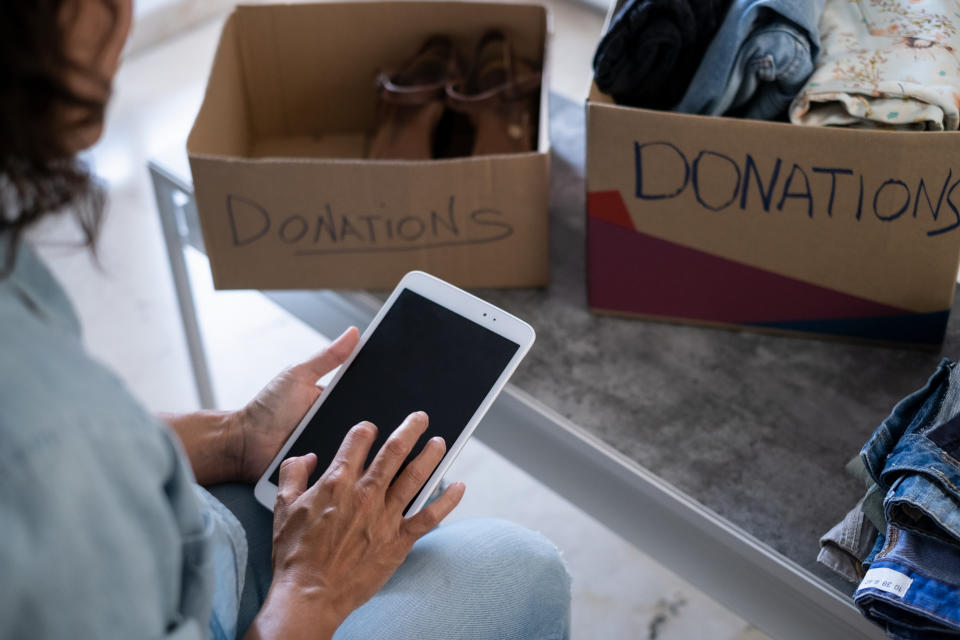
412,101
500,95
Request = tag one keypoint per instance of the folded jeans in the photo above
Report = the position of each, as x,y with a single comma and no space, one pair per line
758,61
923,473
844,548
912,588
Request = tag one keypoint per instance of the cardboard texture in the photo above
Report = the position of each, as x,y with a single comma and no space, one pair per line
285,197
772,226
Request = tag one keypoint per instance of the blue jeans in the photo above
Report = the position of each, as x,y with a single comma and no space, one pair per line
911,588
471,579
758,61
914,455
924,477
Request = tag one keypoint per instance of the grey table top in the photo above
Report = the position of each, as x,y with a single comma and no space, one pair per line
755,427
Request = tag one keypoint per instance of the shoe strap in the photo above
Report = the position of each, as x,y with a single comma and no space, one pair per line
409,94
513,91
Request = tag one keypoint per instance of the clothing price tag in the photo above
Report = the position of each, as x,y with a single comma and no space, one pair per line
886,580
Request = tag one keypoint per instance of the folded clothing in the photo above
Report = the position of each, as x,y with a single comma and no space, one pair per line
653,47
872,502
915,457
885,64
848,548
914,414
848,544
758,60
912,588
923,473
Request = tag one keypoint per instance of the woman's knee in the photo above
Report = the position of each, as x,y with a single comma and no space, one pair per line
506,567
474,580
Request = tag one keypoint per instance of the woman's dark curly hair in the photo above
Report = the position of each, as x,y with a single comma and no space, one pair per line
39,175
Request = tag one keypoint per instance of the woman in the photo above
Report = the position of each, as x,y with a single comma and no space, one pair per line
106,533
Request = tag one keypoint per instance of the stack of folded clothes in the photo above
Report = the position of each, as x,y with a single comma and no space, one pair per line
873,63
901,542
885,63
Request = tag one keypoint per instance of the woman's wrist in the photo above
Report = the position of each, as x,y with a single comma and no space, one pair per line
293,612
213,441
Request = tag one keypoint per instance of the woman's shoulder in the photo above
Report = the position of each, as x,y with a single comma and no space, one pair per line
61,407
49,383
50,387
95,496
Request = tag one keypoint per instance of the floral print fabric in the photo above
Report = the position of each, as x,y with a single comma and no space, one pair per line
885,64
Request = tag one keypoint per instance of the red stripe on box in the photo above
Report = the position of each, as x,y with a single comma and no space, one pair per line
638,273
608,205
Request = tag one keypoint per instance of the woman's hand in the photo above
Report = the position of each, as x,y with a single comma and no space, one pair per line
337,542
268,420
237,446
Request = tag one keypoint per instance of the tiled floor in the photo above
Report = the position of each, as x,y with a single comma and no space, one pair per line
128,309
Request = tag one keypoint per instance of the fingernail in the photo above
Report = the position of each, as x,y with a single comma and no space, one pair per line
421,415
438,440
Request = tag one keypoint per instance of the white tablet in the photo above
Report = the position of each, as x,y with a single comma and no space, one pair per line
432,347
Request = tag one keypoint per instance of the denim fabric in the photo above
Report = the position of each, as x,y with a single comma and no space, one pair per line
912,414
950,404
471,580
872,502
105,534
915,457
758,61
477,578
878,546
844,548
228,548
920,599
257,525
924,476
652,49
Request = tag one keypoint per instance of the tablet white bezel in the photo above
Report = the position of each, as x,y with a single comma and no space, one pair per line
459,302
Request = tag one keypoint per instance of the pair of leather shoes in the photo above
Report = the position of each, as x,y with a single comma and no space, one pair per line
430,108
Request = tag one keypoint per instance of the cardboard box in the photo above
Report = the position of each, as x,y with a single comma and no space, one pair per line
284,194
771,226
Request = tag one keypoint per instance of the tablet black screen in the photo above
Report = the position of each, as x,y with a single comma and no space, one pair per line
422,356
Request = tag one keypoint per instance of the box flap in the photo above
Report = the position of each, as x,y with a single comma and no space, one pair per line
223,126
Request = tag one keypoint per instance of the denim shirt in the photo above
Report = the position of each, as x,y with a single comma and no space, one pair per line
105,534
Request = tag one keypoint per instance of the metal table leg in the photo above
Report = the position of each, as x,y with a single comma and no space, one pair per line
170,202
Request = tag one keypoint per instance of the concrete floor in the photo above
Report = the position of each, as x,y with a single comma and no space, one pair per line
127,306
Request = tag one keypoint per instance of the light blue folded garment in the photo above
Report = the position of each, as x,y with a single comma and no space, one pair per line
758,61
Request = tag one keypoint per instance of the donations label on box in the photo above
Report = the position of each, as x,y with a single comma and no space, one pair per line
773,226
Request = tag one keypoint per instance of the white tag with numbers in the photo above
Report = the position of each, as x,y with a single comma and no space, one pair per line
886,580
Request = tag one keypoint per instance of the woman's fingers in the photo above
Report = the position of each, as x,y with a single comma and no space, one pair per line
340,539
396,449
294,473
353,451
430,516
333,356
416,474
